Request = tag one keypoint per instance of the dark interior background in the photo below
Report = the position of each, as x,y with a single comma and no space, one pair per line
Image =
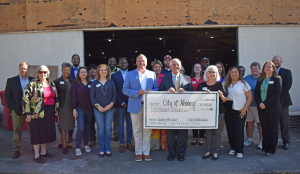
189,45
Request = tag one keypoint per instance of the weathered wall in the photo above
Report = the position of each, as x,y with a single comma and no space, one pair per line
29,15
261,44
46,48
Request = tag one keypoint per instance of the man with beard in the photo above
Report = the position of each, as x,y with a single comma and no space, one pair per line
112,63
285,100
204,65
167,69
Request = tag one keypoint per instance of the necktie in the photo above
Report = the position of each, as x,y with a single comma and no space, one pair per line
176,83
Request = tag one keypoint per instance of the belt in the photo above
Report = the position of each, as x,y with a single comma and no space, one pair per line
142,102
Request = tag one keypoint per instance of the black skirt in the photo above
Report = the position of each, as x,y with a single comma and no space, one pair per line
42,130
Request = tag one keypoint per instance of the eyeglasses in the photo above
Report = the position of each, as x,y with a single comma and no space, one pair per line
43,72
211,72
197,67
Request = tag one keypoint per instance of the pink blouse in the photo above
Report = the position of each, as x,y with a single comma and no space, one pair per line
49,96
159,80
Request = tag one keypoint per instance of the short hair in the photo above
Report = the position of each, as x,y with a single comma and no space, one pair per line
65,64
41,67
241,67
136,59
277,56
24,63
112,58
107,69
255,64
153,63
75,55
193,72
215,68
177,60
91,66
182,69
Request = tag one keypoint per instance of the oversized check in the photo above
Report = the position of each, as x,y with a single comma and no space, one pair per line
187,110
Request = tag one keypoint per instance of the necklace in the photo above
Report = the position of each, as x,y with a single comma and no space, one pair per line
105,89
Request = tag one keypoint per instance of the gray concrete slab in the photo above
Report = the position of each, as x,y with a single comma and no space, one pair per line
282,161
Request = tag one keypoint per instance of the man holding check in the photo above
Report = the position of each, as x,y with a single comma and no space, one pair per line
176,82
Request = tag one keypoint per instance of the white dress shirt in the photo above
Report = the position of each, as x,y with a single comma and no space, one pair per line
237,95
143,81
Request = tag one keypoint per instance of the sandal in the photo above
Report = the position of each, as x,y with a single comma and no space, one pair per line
201,142
194,142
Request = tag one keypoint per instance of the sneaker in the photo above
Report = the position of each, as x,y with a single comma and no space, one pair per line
239,155
78,152
231,152
259,146
248,142
87,148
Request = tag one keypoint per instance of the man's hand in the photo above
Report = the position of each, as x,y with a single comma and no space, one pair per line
124,105
180,90
149,89
141,92
75,114
172,90
262,106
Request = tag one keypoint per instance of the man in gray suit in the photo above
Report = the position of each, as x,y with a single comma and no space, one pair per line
176,82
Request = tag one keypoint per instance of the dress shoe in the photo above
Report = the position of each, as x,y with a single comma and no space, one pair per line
121,148
171,157
61,146
92,143
138,158
39,160
206,156
286,146
201,142
108,154
215,158
194,142
101,155
69,139
147,158
180,157
15,155
47,155
130,147
116,139
65,150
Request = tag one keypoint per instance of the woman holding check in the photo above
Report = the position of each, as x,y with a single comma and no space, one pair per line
103,96
267,96
212,82
237,102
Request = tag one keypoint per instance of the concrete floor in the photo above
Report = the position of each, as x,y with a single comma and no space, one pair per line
282,161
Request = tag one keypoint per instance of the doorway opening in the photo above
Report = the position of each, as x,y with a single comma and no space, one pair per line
189,45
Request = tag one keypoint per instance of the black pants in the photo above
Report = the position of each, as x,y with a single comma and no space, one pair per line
182,138
93,130
70,133
269,125
196,134
285,125
235,127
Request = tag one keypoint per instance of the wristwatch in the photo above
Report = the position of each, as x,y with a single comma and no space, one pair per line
96,105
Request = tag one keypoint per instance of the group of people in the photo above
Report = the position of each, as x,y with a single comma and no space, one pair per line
109,96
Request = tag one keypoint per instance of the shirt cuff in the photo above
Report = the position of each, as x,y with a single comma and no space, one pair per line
123,103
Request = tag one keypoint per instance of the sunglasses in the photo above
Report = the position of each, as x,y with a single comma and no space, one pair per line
43,72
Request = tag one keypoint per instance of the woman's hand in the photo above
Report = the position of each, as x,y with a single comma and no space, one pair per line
107,108
75,114
221,94
207,91
28,118
101,109
243,112
262,106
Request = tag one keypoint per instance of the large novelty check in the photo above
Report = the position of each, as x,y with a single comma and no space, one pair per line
188,110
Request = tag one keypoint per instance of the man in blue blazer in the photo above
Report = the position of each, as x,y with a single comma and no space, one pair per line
74,70
176,82
136,84
285,100
122,102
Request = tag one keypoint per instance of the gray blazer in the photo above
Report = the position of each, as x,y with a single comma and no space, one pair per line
184,80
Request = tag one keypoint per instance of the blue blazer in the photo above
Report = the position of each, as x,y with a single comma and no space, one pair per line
118,80
72,75
132,86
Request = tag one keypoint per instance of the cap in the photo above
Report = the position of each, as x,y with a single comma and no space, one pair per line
168,56
205,58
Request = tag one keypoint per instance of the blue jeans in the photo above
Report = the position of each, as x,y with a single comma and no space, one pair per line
104,121
122,115
83,122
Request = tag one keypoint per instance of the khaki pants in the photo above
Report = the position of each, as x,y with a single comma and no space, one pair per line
18,123
142,137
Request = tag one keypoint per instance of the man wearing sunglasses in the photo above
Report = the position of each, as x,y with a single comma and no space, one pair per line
13,98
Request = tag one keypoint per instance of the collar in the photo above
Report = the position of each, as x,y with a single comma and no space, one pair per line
123,72
253,77
22,78
141,73
76,68
269,77
173,75
278,69
168,69
115,69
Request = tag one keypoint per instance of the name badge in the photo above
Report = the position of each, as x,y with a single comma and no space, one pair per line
62,82
89,86
204,88
98,85
194,82
271,82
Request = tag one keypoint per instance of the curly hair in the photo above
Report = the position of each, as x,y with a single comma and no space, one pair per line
107,69
78,79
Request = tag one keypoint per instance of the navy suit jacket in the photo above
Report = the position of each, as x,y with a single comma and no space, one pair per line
118,80
72,75
167,82
14,94
287,80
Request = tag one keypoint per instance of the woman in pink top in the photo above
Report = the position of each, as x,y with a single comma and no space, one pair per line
158,137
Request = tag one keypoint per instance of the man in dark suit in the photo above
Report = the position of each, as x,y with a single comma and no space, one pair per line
176,82
285,100
13,98
122,100
74,70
